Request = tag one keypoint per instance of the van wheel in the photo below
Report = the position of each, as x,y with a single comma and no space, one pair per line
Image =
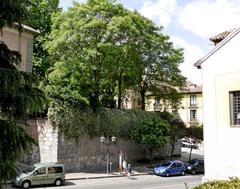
167,174
58,182
26,184
182,173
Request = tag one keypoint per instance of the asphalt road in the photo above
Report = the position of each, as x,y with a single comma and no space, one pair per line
137,182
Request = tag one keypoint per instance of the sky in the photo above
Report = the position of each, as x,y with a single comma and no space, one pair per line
188,23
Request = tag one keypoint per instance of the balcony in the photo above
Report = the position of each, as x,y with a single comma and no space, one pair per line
193,105
157,107
193,121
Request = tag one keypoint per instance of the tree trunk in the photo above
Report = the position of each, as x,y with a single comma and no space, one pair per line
143,91
190,154
172,149
151,158
119,90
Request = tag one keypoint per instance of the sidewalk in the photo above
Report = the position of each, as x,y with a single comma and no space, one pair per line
83,175
139,170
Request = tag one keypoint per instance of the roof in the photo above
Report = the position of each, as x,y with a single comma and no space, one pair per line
47,164
227,38
192,88
218,38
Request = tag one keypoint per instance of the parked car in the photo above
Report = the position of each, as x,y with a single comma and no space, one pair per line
41,173
170,167
195,166
188,143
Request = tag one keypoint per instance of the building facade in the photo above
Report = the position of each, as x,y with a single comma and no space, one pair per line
190,109
221,101
21,42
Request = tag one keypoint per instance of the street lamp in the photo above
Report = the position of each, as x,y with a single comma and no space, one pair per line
107,142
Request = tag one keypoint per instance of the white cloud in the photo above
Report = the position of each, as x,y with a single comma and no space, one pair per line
207,18
161,11
191,54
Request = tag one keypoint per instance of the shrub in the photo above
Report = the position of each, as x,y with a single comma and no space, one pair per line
232,183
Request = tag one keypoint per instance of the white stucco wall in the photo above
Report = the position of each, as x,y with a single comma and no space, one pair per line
220,75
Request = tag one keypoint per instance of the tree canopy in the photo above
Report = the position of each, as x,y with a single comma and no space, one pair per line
153,133
102,50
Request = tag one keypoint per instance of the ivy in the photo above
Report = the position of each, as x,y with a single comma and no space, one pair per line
77,123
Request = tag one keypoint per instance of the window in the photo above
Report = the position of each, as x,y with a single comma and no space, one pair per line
41,171
52,170
175,112
193,100
235,107
193,115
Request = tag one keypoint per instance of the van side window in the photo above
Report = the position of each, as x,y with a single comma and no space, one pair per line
52,170
41,171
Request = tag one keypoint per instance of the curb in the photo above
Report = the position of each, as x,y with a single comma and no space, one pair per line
110,176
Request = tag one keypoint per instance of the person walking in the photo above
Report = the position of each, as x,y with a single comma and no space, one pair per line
129,171
124,165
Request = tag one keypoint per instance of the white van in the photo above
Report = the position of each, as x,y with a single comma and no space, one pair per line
41,173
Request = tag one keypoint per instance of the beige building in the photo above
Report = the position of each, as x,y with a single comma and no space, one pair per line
221,101
21,42
190,109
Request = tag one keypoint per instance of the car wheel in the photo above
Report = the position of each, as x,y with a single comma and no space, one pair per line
182,173
26,184
58,182
167,174
193,172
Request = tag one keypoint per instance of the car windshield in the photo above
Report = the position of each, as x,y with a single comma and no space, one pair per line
165,164
193,162
29,169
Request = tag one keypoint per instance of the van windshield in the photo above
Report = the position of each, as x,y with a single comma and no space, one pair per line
29,169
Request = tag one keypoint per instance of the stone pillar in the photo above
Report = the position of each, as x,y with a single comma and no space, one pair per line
48,141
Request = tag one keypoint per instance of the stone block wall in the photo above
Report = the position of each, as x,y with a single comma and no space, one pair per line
87,154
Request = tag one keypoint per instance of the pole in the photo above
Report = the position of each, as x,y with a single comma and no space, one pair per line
107,159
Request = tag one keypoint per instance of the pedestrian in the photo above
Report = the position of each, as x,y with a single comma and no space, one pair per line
124,165
129,171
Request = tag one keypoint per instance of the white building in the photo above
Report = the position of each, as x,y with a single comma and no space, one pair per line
221,106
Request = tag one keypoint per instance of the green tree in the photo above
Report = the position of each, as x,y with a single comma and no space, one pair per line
160,75
85,45
18,97
40,14
177,129
195,134
153,133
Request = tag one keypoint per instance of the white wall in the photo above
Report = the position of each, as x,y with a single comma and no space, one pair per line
221,74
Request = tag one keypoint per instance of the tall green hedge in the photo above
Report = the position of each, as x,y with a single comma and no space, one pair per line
76,123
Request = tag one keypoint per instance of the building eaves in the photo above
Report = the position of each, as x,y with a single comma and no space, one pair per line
217,47
27,29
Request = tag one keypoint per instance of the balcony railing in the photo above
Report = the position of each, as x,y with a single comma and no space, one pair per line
193,105
157,107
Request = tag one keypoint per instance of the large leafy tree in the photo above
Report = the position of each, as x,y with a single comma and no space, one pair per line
153,133
102,50
161,76
96,43
18,97
40,14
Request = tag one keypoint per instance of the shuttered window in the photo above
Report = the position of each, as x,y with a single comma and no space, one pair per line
235,108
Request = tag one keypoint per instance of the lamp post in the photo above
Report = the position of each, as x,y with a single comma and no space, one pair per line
107,141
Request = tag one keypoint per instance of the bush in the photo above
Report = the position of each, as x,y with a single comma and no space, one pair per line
233,183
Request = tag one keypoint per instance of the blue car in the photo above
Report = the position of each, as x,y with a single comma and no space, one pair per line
170,167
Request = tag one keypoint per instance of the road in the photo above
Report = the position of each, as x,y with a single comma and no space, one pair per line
137,182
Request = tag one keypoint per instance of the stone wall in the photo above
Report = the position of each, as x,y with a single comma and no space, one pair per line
87,154
32,155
